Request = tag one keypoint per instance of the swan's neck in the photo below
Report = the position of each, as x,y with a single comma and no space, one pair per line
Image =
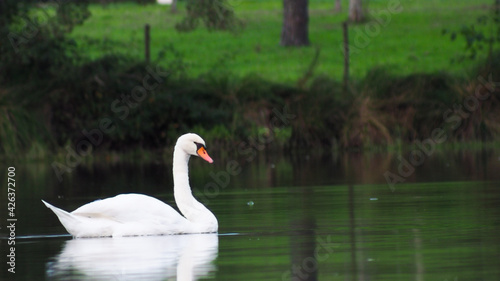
193,210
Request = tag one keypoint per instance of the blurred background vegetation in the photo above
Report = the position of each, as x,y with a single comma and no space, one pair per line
67,65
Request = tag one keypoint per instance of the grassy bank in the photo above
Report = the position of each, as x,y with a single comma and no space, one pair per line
409,41
107,105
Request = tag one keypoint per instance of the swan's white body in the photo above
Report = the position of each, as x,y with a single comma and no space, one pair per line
137,214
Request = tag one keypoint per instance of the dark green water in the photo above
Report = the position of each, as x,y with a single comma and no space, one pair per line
329,217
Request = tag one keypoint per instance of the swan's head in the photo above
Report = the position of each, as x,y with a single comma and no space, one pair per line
193,144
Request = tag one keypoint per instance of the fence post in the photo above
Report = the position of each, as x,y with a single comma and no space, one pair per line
146,42
346,53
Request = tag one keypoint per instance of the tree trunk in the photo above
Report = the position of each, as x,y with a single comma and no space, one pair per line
295,23
173,7
338,7
356,11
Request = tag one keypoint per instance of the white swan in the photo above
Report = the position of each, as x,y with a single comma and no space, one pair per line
137,214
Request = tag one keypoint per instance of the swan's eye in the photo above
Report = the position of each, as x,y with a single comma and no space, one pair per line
198,146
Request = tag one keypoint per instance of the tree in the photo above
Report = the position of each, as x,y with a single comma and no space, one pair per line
295,23
356,11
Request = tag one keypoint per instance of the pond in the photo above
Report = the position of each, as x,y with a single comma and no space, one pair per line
303,217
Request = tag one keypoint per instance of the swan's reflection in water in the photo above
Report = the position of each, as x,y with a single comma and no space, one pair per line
172,257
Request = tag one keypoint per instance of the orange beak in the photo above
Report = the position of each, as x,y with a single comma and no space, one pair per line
202,152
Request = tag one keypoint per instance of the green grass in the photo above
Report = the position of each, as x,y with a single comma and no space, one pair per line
412,41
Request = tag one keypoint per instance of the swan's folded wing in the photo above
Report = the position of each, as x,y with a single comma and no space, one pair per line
128,208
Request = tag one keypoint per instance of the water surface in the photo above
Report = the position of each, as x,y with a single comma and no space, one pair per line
312,217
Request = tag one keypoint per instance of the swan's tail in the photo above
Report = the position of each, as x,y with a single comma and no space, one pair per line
67,220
